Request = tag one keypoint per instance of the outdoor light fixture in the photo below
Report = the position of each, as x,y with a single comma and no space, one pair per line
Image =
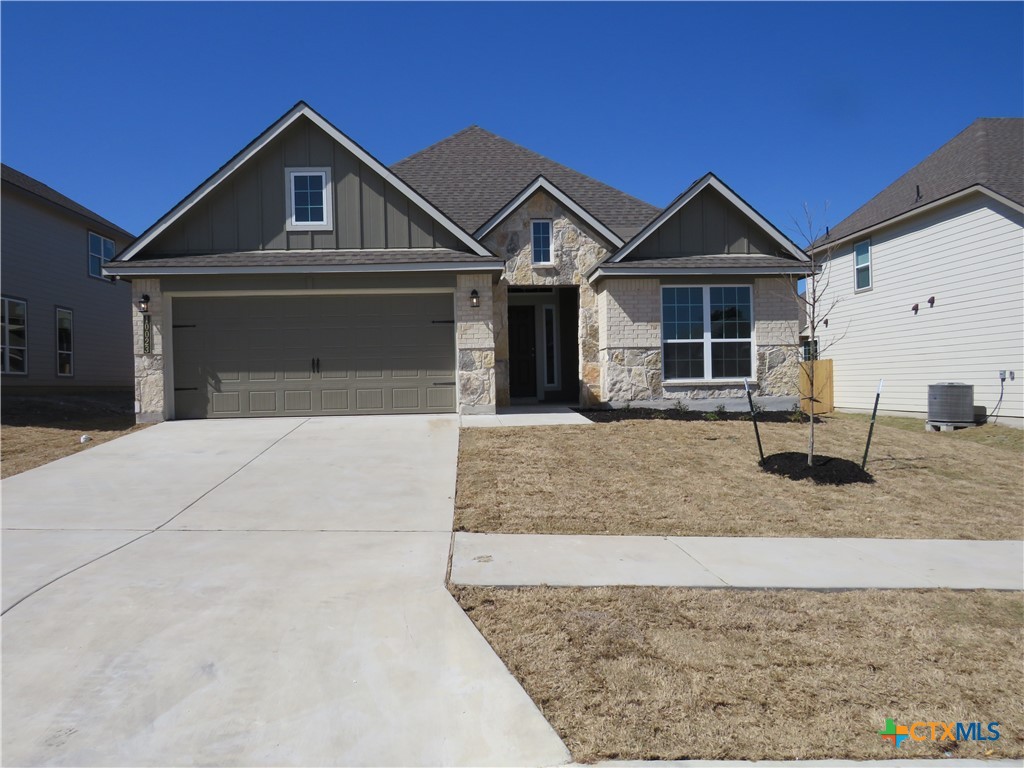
474,298
143,304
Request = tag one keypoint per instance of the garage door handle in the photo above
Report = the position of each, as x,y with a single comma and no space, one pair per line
312,365
318,365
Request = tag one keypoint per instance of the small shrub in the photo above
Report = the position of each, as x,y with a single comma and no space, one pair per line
681,406
720,411
712,415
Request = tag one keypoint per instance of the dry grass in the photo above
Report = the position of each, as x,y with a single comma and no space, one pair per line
992,435
38,430
671,674
703,479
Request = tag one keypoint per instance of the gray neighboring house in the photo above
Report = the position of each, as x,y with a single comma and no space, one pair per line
306,277
66,325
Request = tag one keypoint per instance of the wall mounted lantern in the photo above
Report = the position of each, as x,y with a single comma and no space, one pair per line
143,304
474,298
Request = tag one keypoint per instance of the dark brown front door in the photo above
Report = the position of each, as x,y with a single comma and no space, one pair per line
522,352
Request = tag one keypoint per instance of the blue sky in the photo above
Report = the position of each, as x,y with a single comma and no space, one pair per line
126,107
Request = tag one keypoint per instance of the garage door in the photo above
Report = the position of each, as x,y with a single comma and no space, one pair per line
313,355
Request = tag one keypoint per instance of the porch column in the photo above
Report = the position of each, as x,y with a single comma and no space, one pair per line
474,343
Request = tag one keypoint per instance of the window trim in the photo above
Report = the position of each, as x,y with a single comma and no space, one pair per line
706,339
57,309
870,266
5,362
551,243
88,250
556,381
327,225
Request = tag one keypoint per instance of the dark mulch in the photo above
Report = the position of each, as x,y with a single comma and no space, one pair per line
610,415
827,470
66,410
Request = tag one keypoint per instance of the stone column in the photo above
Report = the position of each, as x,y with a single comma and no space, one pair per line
630,340
149,366
474,343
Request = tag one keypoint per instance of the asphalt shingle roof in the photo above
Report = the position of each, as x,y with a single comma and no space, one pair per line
35,187
298,259
472,174
989,152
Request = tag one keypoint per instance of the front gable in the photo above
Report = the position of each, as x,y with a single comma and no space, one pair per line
245,207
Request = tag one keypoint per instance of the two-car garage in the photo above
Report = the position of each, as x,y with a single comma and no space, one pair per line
313,354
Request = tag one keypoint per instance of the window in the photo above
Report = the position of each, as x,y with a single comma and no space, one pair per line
550,347
101,250
309,199
862,266
14,336
810,351
65,342
707,332
541,242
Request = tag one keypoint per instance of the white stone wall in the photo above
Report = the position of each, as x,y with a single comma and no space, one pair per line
575,249
149,367
474,343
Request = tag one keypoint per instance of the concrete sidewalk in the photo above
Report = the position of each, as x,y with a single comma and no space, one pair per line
758,563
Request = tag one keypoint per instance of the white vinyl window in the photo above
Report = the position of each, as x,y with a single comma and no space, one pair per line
309,199
862,266
101,250
14,336
541,229
65,342
707,332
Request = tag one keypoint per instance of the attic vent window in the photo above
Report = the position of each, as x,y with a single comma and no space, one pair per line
309,199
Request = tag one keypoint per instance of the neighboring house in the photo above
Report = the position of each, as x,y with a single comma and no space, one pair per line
66,325
927,278
305,277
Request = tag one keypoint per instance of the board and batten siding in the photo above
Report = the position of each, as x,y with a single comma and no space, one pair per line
969,255
248,210
46,263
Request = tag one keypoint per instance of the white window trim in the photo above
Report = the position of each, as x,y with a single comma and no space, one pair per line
304,226
56,341
551,243
706,340
870,267
88,249
556,382
5,363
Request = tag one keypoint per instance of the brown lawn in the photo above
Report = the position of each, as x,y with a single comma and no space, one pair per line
703,479
38,430
671,674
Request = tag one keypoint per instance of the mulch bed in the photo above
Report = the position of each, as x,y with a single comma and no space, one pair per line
827,470
611,415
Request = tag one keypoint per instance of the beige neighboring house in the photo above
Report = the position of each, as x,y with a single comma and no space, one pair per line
66,325
306,277
927,278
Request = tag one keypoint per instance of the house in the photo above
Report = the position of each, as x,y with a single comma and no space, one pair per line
306,277
66,325
927,279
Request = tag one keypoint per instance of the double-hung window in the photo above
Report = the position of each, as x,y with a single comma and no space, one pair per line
65,342
309,199
101,250
707,332
541,241
14,336
862,266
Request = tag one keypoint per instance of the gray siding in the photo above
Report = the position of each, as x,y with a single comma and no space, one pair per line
247,212
46,263
708,224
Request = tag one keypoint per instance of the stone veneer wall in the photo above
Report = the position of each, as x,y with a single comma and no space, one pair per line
630,342
574,251
474,343
149,368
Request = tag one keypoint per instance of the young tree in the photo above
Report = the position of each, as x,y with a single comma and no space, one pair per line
815,303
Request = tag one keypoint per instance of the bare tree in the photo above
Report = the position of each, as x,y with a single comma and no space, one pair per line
815,304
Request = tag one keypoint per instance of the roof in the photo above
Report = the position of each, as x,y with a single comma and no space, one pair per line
37,188
301,109
717,261
472,174
309,261
988,153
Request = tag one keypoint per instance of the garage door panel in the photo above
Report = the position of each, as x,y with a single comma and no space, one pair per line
254,356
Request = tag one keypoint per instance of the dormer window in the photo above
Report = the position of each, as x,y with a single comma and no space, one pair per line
309,199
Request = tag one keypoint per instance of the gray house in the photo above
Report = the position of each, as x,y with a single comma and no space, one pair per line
66,325
306,277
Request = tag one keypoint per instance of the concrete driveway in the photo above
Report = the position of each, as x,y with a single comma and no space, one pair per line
250,592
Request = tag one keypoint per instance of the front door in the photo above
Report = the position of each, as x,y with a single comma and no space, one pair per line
522,351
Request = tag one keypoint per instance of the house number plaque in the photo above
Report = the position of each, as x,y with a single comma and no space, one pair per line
147,334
